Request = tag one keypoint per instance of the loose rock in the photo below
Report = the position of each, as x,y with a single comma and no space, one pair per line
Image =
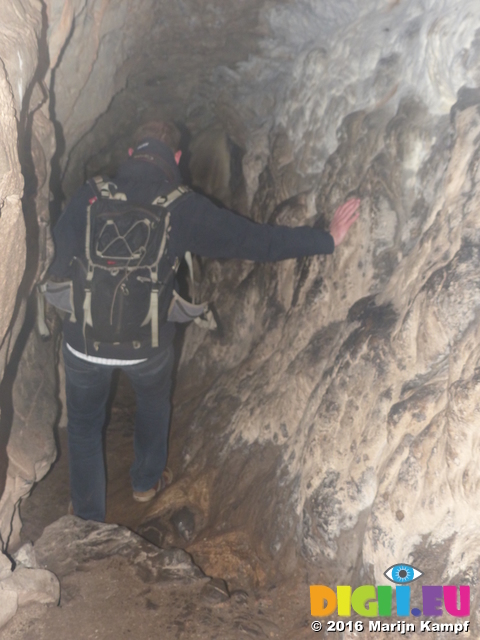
239,596
184,523
33,585
70,542
215,591
154,531
26,557
5,566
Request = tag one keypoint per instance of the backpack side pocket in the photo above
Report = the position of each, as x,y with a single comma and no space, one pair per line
59,295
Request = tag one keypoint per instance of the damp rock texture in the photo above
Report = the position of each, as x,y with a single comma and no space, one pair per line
31,447
26,148
342,398
25,583
11,181
71,542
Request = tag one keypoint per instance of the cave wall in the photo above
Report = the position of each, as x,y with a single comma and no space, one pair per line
11,219
27,373
28,389
342,394
12,237
333,419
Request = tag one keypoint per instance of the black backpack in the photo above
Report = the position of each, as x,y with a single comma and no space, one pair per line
125,282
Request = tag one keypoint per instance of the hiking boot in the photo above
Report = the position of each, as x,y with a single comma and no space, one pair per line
165,480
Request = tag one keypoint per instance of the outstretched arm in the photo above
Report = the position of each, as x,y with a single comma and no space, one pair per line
202,228
343,219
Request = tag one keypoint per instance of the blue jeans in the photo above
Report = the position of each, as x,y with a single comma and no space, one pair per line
87,388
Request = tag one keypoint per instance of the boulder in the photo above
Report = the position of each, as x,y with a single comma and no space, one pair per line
32,586
71,543
5,566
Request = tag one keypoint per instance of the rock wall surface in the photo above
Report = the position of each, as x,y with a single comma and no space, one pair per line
28,145
13,226
11,185
342,394
27,400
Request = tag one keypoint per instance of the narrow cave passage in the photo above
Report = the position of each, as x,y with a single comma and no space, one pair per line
107,588
329,429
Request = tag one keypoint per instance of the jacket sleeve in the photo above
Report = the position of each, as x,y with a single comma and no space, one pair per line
69,234
206,230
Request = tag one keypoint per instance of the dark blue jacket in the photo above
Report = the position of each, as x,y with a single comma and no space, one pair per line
197,225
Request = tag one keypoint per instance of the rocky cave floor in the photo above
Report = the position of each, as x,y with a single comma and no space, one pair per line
109,598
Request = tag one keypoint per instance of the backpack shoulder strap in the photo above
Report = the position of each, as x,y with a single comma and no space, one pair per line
105,189
167,200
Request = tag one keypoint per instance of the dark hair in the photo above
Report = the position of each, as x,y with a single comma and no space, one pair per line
164,131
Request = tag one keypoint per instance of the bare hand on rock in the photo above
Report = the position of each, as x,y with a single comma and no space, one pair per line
344,217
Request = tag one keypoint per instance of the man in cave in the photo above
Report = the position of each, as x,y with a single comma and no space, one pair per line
150,174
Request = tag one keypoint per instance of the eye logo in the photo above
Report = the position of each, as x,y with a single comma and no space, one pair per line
402,573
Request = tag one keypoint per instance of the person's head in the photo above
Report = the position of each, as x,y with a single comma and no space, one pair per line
161,130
